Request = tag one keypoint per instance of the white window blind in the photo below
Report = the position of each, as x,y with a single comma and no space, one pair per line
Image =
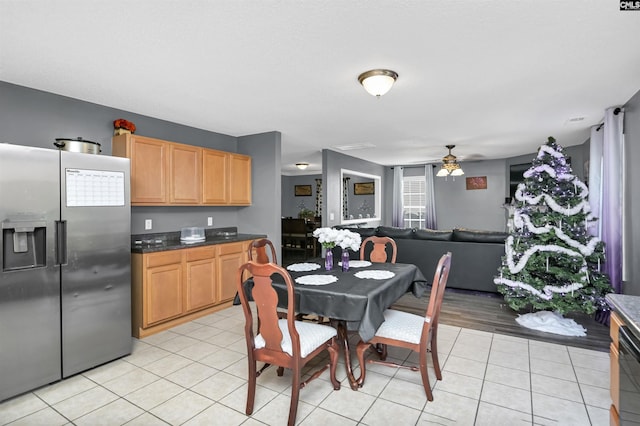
414,200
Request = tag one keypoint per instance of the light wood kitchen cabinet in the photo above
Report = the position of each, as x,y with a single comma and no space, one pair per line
614,387
185,174
171,173
149,164
176,286
162,293
239,179
230,258
201,278
215,177
226,178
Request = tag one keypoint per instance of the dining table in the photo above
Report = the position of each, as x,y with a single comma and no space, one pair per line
353,300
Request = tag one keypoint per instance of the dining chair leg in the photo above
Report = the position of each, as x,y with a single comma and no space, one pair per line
280,371
424,372
251,386
434,356
295,394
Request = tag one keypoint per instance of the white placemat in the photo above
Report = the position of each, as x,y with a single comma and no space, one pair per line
357,263
303,267
375,274
316,279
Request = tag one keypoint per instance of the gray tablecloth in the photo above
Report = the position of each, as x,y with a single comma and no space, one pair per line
358,302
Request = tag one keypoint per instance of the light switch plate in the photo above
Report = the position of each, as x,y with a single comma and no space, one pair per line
148,224
209,221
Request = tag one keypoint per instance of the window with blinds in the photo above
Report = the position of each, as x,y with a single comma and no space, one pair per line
414,200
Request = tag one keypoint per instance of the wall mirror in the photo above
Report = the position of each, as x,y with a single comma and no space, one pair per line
361,197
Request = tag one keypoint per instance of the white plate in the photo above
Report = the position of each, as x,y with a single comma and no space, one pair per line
375,274
357,263
303,267
316,279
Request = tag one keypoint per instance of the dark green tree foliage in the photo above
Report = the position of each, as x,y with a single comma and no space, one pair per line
551,262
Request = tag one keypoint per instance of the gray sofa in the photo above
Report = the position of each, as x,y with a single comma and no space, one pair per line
476,255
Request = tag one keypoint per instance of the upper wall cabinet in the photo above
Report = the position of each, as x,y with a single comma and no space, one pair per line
170,173
240,177
185,174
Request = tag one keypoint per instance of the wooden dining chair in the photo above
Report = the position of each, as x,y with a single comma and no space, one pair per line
285,342
379,252
415,332
258,251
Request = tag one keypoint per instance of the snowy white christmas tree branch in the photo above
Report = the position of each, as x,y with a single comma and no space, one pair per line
514,268
586,250
547,291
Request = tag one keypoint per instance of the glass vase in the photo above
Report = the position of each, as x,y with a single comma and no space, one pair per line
328,260
345,260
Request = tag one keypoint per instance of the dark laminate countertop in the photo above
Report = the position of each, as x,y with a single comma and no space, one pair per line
152,243
628,307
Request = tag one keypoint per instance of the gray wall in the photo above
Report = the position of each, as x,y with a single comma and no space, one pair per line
291,205
263,216
332,163
35,118
476,209
631,284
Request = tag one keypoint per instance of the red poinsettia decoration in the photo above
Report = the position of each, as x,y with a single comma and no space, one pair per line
121,123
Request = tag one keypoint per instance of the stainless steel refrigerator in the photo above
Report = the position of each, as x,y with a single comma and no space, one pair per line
65,281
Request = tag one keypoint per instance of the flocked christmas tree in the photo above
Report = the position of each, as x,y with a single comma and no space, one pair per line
551,262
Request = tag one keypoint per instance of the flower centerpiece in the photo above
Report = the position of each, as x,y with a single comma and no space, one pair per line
345,239
123,126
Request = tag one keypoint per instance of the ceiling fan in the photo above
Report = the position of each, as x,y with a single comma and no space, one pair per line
450,165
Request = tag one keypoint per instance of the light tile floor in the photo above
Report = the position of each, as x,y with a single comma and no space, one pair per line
195,374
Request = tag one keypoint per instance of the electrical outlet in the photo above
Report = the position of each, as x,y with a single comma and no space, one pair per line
209,221
148,224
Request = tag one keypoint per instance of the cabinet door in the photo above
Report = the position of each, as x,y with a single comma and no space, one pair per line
162,293
230,258
239,179
148,171
185,174
201,279
215,167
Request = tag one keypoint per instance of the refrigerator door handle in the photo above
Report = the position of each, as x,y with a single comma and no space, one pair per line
61,242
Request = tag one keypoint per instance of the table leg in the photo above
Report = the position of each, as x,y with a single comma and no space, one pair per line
343,337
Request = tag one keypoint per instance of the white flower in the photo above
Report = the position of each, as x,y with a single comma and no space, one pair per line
344,238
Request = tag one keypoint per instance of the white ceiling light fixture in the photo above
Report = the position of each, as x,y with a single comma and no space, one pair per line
450,165
302,166
378,82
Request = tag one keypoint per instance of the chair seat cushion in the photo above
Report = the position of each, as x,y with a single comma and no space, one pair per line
400,325
311,336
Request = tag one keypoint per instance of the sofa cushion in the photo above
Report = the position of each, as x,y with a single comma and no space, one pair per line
432,234
475,236
389,231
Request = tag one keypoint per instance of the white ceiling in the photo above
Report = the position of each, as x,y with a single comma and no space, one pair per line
493,77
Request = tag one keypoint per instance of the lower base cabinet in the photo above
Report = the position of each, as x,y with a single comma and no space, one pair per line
176,286
614,387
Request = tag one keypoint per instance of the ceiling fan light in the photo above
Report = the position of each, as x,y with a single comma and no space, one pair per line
377,82
442,172
450,165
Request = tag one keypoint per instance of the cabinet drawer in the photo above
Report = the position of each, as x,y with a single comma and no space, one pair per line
229,248
201,253
163,258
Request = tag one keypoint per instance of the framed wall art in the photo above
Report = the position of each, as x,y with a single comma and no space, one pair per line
364,188
478,182
302,190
